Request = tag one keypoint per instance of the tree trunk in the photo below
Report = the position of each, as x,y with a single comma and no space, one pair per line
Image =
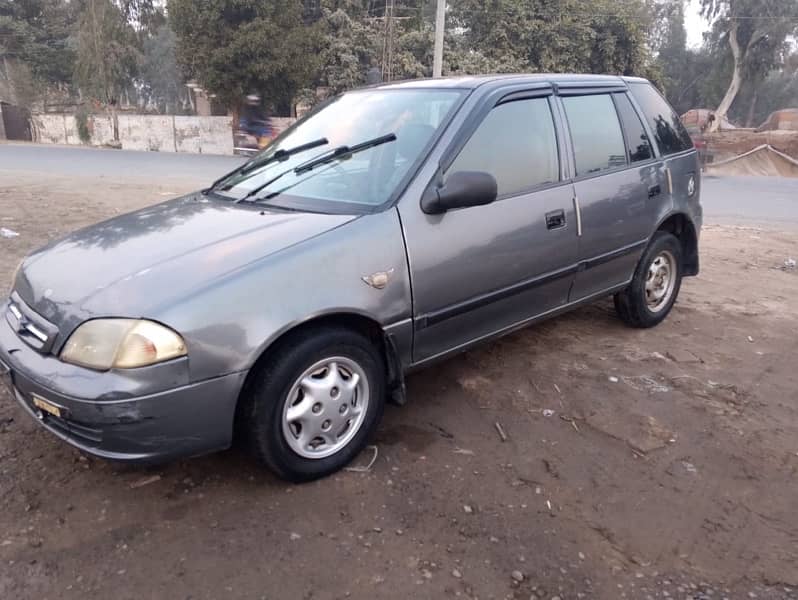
736,81
115,120
749,121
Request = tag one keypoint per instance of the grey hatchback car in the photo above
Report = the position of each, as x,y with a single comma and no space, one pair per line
390,228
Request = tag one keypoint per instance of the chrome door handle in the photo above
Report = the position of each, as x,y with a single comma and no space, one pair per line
578,211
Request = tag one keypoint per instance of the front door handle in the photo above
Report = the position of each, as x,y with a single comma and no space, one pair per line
555,219
654,190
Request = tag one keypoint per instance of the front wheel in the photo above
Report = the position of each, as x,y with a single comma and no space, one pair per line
658,277
315,402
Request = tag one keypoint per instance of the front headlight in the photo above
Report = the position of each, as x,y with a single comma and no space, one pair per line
122,344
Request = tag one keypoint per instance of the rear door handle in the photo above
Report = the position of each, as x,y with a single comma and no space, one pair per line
555,219
654,190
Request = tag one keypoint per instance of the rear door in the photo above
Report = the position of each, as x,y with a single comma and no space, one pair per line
680,169
479,270
617,188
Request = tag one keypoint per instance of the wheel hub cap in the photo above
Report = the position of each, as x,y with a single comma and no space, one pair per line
325,407
660,281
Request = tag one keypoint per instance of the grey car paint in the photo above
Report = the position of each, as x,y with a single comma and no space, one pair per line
135,264
232,278
462,256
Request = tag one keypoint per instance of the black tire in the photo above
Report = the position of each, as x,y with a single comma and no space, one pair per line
261,415
631,304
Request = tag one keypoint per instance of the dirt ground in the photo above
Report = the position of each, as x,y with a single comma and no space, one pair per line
638,464
727,144
762,161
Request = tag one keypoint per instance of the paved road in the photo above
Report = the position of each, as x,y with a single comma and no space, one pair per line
756,200
741,200
121,164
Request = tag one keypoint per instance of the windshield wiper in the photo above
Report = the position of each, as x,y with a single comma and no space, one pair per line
343,152
280,156
254,191
327,157
283,155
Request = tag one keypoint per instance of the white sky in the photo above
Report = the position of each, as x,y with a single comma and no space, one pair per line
694,23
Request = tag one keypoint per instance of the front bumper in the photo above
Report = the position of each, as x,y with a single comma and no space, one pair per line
185,420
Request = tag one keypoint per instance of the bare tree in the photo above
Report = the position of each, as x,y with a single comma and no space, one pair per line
756,31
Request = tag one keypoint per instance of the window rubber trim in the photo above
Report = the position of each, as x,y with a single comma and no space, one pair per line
476,119
577,177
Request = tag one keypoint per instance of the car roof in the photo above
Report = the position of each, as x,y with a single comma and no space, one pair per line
475,81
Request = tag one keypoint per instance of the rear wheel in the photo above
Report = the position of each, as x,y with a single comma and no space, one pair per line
655,285
315,402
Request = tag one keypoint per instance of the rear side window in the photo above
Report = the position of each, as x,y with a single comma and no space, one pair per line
636,137
669,133
516,144
595,132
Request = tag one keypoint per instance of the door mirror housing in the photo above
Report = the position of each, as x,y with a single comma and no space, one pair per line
461,189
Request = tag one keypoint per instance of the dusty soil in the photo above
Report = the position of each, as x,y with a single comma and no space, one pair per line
765,161
726,144
638,464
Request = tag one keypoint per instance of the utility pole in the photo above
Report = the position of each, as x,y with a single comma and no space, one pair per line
387,45
437,59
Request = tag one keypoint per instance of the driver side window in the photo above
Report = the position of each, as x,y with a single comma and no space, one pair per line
516,143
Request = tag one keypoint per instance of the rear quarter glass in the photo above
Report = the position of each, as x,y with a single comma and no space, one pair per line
670,134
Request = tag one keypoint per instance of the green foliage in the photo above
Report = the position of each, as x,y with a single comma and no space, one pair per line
496,36
237,47
354,40
689,78
40,34
107,57
700,78
96,45
754,33
413,54
350,45
82,120
287,49
778,89
142,15
602,36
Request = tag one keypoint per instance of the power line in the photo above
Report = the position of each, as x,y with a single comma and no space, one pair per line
544,14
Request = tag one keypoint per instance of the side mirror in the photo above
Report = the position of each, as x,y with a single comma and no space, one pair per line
462,189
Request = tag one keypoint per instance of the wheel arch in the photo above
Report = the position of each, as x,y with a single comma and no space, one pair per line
681,226
355,321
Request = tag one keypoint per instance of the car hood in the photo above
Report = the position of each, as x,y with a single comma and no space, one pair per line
130,265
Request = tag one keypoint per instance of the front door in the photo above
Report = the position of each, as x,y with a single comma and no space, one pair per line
483,269
617,187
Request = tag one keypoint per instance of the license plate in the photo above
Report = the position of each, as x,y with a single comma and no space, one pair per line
46,406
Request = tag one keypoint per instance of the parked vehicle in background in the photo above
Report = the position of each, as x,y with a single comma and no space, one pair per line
700,144
698,121
390,228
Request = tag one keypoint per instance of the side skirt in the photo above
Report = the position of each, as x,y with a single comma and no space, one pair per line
515,327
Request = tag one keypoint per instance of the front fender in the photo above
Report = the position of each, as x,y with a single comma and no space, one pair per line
228,325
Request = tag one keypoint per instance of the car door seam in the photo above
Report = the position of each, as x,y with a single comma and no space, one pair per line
453,310
600,259
459,308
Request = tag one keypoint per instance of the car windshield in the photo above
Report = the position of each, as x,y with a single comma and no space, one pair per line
387,130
